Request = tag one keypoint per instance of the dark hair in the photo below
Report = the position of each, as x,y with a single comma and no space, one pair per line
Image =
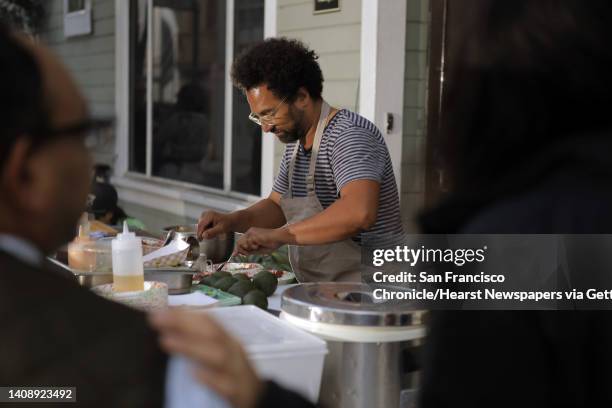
283,65
22,108
528,74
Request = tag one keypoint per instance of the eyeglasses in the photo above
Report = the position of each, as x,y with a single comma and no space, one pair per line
266,119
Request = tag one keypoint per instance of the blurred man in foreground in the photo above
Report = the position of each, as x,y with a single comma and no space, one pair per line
55,333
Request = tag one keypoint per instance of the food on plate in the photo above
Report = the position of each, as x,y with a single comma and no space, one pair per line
242,267
277,272
266,282
256,297
241,288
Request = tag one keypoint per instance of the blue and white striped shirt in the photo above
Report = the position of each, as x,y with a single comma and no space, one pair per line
352,148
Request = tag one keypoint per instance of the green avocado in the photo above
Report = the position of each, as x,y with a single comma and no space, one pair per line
266,282
209,281
241,288
225,283
256,297
242,276
221,275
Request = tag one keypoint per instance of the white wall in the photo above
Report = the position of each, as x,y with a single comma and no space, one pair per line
91,60
336,38
415,111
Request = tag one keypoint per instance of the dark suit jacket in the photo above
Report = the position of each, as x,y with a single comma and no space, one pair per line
55,333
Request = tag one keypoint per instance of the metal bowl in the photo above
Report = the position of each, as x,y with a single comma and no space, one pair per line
178,281
91,279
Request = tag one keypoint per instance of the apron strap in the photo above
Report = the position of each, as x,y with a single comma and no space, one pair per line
292,168
310,180
310,184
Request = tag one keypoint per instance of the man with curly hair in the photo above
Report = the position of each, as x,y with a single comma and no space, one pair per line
335,182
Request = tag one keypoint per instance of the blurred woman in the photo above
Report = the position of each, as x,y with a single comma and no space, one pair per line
528,146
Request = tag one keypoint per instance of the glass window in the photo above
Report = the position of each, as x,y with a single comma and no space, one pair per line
187,90
138,86
246,136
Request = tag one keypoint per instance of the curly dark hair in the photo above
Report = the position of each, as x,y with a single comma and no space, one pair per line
284,65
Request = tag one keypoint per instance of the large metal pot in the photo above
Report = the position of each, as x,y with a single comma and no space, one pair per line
217,249
373,346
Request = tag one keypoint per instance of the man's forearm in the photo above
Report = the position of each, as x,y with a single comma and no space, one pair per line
338,222
263,214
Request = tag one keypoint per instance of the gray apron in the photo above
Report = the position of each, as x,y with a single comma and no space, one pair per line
340,261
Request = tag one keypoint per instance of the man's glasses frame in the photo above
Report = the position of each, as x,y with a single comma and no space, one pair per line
268,118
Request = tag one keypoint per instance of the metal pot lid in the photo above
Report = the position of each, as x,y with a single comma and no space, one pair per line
347,303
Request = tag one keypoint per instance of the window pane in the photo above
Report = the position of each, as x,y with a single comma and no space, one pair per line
189,90
246,136
138,86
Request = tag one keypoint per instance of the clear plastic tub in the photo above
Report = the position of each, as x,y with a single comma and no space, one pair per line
279,351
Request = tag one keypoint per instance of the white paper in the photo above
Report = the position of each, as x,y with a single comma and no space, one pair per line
173,247
191,299
183,391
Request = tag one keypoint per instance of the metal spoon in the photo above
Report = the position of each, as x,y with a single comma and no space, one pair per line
224,263
168,238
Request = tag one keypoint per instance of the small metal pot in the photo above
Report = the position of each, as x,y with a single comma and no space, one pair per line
219,248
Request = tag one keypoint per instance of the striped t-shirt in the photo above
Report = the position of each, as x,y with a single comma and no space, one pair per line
352,148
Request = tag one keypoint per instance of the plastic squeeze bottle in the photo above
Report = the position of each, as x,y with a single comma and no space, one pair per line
128,273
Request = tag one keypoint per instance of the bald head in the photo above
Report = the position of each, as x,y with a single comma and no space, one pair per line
62,99
45,174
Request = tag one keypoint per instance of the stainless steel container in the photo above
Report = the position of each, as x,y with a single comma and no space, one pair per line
178,281
373,346
91,279
219,248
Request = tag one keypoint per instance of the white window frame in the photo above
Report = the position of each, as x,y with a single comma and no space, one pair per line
78,22
176,197
383,53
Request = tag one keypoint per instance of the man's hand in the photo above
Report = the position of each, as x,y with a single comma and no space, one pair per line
221,360
262,240
212,223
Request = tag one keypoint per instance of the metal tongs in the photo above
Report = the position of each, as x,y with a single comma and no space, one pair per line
169,238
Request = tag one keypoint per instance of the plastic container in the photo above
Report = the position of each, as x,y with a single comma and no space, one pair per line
85,255
279,351
128,270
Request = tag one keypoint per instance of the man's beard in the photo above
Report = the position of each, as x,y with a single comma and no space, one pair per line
298,131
